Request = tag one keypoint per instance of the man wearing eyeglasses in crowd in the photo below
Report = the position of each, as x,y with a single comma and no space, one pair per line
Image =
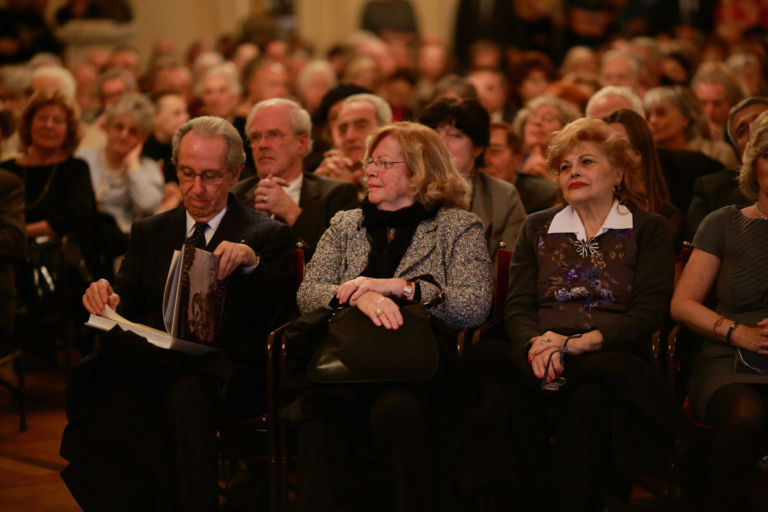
358,116
279,133
143,420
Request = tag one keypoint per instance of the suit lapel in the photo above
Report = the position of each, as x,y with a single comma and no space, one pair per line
309,199
481,201
173,238
230,226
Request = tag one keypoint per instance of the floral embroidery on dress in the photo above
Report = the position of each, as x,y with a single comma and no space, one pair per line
581,273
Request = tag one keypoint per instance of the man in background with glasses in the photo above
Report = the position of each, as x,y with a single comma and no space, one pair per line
359,115
279,133
143,420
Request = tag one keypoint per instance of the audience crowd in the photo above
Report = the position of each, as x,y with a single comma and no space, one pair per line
591,140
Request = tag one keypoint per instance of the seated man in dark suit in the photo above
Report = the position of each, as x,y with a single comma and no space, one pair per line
142,420
279,131
713,191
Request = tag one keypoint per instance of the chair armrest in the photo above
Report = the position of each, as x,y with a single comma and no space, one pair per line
673,360
656,352
461,341
275,353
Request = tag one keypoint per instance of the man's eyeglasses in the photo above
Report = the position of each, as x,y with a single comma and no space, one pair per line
380,163
268,136
207,177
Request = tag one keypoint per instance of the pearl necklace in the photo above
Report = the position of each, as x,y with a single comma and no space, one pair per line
759,213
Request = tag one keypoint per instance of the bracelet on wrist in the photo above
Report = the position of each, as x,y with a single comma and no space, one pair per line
569,338
407,290
717,324
729,335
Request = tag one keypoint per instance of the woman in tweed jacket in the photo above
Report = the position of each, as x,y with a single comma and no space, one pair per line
375,446
449,247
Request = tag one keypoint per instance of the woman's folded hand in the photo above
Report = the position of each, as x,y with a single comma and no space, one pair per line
541,343
380,309
357,287
752,338
539,364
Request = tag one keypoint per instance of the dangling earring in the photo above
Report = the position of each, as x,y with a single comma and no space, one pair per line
617,190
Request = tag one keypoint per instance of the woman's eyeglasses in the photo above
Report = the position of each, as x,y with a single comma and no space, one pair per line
380,163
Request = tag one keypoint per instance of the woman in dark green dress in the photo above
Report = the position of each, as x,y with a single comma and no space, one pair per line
729,262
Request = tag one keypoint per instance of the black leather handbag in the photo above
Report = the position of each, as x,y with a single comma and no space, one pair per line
356,350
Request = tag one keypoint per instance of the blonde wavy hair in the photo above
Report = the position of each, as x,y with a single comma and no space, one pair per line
617,149
756,147
434,180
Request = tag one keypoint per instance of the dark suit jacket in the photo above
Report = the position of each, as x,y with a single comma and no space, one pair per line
254,304
13,242
536,193
320,199
681,168
710,193
499,206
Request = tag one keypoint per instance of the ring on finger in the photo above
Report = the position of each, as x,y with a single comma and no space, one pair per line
379,312
545,341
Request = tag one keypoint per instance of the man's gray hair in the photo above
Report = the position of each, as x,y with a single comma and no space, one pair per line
138,107
636,104
620,54
68,86
746,102
301,122
212,127
739,61
318,66
227,70
380,105
719,73
683,100
126,77
15,77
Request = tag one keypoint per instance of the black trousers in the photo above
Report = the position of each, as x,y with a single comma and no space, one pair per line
382,450
612,420
142,431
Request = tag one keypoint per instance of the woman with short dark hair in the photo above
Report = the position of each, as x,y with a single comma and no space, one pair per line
464,125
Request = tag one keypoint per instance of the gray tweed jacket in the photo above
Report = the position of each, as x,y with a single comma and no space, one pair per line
450,247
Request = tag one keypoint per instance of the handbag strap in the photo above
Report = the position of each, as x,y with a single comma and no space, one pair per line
438,299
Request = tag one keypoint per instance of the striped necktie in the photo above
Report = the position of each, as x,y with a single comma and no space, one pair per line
197,238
